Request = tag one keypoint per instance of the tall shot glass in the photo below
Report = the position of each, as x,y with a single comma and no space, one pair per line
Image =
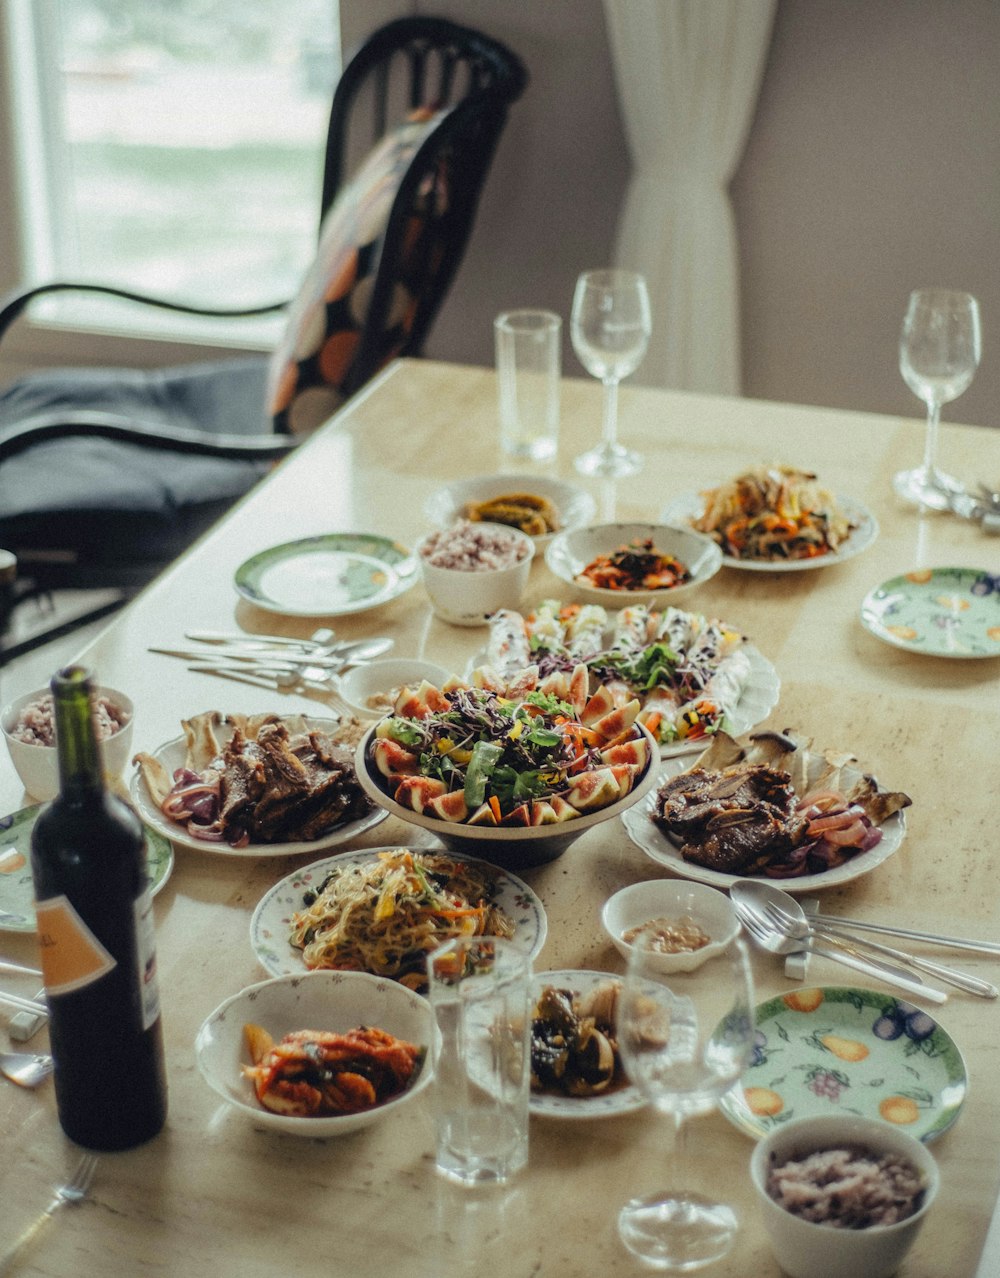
479,992
528,356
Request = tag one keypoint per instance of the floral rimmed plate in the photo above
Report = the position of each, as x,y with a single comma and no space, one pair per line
622,1099
690,505
272,919
945,612
17,891
832,1050
327,576
657,845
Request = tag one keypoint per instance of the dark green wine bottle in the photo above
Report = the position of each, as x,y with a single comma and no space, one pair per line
95,929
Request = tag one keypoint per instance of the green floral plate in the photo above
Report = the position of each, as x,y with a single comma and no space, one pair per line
327,576
831,1050
945,612
17,892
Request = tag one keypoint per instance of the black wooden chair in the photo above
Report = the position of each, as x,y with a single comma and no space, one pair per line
107,474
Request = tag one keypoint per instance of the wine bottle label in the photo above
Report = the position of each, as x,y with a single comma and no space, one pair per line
72,956
145,939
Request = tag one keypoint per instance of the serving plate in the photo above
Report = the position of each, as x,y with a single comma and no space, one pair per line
624,1099
172,755
944,612
17,890
569,553
657,845
327,576
573,504
841,1050
272,919
688,506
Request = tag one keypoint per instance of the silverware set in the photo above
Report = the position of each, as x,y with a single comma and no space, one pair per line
777,922
271,661
981,506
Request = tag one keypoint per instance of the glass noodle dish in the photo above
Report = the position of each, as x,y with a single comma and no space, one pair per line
773,512
686,671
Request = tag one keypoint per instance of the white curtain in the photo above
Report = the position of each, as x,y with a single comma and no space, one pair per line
688,74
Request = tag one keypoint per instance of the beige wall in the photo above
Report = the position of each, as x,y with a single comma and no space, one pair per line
873,167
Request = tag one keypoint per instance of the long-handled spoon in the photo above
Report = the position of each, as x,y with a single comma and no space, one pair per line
792,920
769,938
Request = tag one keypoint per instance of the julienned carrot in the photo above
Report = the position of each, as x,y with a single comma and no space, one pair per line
494,803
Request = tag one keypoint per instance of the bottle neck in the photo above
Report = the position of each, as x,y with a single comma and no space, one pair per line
80,770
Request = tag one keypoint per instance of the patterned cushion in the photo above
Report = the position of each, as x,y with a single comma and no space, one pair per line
309,368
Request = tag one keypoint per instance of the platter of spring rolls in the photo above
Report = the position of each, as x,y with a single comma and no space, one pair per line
692,675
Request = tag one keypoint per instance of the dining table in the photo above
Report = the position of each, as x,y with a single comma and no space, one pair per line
214,1193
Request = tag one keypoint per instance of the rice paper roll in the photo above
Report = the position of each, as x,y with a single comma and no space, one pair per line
678,629
726,684
546,627
508,649
585,631
632,628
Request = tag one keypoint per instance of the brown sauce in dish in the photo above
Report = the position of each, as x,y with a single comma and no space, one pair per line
670,936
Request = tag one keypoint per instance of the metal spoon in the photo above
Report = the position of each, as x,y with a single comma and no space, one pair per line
792,919
27,1069
751,914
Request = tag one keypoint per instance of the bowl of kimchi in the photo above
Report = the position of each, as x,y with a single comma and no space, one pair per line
513,774
320,1053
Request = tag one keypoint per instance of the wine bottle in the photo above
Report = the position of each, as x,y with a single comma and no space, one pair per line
95,929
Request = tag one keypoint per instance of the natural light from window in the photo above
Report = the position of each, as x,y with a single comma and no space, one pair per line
180,142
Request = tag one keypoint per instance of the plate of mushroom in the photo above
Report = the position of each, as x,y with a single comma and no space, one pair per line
576,1071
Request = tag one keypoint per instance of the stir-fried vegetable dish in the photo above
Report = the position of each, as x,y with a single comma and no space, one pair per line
773,512
636,566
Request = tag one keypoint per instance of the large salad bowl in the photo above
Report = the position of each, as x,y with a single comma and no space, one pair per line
510,847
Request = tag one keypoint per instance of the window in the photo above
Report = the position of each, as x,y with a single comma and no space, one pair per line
171,146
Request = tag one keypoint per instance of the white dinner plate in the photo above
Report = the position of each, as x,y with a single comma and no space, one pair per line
172,755
689,506
623,1099
271,924
574,506
657,844
327,576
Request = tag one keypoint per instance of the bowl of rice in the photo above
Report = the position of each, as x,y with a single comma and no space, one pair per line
841,1196
28,725
472,570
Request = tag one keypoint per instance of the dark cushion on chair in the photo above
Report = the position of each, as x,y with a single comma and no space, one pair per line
311,367
121,502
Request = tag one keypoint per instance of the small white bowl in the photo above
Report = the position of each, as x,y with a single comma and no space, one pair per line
335,1001
568,554
381,679
805,1249
468,597
672,899
38,765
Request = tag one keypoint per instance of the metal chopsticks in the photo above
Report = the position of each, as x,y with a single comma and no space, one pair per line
932,938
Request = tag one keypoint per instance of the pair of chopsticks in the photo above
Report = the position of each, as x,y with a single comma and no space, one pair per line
930,938
23,1004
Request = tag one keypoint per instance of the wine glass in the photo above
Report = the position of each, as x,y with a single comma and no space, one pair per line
610,326
685,1038
938,355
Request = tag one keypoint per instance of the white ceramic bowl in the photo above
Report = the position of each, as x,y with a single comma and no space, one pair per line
380,679
569,553
510,847
466,597
38,765
672,899
574,505
805,1249
336,1001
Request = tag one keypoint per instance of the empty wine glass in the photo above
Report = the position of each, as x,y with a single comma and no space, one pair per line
685,1039
939,352
610,326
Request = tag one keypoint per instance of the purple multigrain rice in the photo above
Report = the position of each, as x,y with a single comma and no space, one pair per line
36,724
848,1188
474,547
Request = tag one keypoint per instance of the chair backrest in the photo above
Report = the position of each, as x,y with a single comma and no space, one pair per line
411,64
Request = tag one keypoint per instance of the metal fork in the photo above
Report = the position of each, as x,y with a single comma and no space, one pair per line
74,1191
950,975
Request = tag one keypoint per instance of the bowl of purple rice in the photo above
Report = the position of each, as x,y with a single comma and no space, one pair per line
841,1196
28,726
